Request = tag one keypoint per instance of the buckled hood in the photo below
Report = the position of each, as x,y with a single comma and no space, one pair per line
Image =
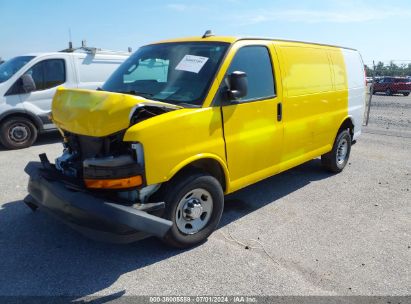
97,113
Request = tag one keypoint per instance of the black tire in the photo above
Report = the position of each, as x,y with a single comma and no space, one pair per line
388,92
330,161
406,94
175,191
17,133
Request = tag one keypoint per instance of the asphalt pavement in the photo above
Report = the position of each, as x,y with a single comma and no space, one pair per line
302,232
390,114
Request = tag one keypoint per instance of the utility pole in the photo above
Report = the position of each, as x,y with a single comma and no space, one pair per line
371,94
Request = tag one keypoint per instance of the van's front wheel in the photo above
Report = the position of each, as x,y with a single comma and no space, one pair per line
337,158
17,133
194,203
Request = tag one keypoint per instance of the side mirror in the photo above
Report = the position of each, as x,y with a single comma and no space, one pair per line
238,85
28,83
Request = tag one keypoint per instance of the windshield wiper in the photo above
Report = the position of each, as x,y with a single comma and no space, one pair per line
132,92
186,105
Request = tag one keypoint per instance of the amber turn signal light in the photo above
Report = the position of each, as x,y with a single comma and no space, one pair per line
120,183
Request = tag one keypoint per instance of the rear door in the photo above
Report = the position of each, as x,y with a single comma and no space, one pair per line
253,128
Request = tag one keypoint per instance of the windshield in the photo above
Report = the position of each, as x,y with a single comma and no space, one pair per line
10,67
178,73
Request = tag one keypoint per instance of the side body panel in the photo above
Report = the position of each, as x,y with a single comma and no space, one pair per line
93,70
356,88
315,104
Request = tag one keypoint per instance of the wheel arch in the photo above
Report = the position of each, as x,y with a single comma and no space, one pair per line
347,123
209,163
23,113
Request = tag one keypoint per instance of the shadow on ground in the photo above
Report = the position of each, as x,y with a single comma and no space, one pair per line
50,137
41,256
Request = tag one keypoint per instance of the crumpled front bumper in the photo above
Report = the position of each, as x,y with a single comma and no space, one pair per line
93,216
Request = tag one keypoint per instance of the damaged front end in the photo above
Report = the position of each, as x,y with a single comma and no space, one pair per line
98,184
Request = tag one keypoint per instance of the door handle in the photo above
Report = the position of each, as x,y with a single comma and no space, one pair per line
279,111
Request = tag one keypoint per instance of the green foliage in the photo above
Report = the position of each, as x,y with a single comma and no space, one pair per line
391,69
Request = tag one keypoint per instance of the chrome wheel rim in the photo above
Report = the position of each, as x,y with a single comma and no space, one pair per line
342,150
19,132
194,211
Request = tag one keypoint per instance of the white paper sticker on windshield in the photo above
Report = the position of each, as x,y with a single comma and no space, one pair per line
191,63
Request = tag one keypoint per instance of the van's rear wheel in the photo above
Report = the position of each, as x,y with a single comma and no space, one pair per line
337,158
194,203
17,133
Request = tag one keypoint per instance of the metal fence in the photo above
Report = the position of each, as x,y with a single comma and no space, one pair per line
388,99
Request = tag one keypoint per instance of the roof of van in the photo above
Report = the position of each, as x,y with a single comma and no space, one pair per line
78,53
232,39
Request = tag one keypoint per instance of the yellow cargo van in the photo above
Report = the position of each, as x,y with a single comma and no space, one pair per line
183,122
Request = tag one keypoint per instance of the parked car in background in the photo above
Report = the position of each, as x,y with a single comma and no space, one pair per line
393,85
28,84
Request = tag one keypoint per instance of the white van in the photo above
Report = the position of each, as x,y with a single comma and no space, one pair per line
28,84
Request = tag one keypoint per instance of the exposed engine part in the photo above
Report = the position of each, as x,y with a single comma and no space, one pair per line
143,112
66,163
146,192
109,161
93,147
139,153
130,196
111,167
78,148
138,198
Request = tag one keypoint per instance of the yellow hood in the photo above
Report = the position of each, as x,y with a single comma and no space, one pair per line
96,113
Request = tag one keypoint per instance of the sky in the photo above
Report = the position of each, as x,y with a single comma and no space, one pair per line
380,30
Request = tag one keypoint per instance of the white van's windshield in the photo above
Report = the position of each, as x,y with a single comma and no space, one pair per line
10,67
178,73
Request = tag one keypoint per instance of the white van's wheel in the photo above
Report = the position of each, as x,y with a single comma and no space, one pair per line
337,158
17,133
194,203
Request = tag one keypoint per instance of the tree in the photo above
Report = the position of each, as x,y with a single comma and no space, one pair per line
392,69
